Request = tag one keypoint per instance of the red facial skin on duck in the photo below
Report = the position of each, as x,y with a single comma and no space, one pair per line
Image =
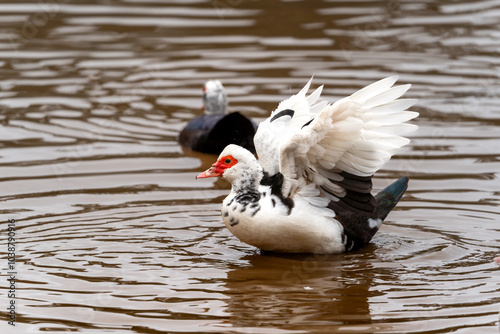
219,167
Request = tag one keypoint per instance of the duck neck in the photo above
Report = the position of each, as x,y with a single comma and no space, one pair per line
215,103
248,181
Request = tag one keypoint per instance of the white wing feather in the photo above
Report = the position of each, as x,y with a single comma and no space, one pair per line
357,134
270,136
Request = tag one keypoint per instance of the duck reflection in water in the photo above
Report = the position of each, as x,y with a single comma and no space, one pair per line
215,129
297,291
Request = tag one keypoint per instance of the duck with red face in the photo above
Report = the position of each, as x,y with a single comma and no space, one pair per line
219,167
310,190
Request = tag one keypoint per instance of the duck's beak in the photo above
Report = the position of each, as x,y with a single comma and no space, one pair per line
211,172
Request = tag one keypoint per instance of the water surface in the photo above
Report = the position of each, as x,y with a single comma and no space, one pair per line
114,234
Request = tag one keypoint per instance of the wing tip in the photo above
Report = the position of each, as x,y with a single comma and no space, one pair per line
305,89
392,78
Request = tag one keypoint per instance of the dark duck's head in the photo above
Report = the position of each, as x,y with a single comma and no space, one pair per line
214,98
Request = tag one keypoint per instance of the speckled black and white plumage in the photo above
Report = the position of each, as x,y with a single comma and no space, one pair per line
310,191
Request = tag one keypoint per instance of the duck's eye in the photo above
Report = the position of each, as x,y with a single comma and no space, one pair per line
227,161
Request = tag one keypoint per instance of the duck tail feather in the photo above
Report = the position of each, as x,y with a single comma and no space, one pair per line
389,197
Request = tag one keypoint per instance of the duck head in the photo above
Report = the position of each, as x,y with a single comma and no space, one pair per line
238,166
214,98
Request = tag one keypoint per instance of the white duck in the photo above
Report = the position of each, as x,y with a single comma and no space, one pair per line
309,192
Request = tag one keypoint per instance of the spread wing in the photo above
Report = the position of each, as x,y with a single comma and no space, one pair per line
321,143
288,119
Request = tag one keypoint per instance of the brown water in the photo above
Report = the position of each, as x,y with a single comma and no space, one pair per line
114,235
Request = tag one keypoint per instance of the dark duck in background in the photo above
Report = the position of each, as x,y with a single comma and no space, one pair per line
215,129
